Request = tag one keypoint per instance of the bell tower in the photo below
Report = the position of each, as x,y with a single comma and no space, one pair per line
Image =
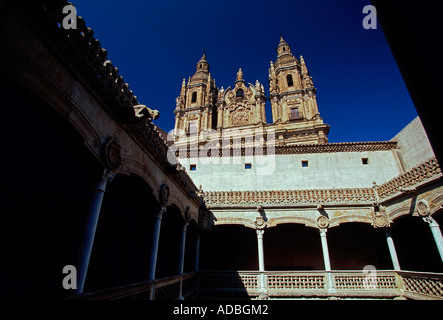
293,96
195,107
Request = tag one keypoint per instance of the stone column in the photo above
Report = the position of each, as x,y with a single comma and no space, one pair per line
324,246
197,252
182,258
182,249
436,233
392,251
261,261
91,227
261,265
326,260
155,241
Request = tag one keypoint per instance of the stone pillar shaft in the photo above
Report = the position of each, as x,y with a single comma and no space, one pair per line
91,227
436,233
261,261
324,246
197,252
392,251
182,249
155,241
326,260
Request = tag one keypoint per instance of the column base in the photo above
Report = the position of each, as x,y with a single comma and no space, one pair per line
263,295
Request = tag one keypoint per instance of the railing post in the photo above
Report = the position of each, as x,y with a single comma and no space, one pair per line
152,291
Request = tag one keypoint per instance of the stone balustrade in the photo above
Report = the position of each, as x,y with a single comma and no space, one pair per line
341,284
385,284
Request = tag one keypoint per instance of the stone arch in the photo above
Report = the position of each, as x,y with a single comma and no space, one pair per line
137,167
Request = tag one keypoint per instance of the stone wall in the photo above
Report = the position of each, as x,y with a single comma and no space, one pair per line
286,172
413,145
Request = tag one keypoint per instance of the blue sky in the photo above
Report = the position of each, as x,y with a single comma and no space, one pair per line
155,44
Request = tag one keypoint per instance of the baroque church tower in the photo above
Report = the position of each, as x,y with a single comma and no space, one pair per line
293,99
195,107
202,107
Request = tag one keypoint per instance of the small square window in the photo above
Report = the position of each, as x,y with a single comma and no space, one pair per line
248,166
304,163
193,167
364,160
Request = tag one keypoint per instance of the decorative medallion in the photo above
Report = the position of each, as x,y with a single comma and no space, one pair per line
112,154
205,219
423,208
187,213
322,222
260,223
380,218
164,194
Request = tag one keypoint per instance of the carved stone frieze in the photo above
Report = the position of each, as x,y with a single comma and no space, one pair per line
314,196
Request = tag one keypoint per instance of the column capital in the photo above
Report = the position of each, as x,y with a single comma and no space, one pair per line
260,233
430,221
107,176
323,232
159,214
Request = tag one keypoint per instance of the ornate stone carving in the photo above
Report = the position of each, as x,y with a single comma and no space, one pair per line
322,222
164,194
187,214
205,218
141,111
290,196
240,117
112,154
380,218
239,75
423,208
260,223
313,148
